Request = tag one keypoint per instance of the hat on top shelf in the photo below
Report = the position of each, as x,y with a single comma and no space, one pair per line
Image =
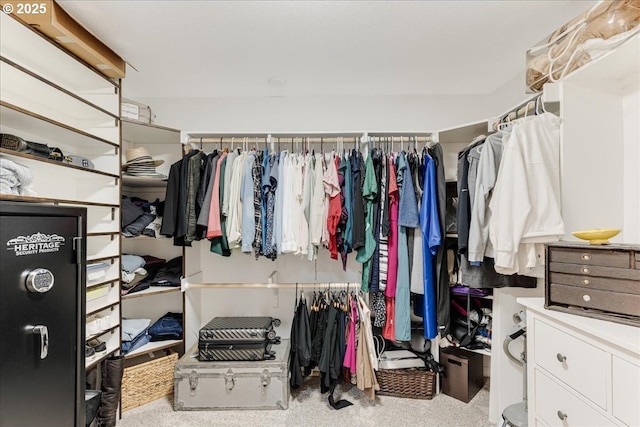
140,163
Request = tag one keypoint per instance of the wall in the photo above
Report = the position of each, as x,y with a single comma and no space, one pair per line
631,135
334,113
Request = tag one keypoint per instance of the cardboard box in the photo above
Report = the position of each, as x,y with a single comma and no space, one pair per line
50,19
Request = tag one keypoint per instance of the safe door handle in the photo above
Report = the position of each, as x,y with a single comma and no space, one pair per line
43,331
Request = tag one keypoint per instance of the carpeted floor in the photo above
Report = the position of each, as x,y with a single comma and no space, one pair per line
307,407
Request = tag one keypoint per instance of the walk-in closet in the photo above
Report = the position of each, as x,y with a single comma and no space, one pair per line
318,213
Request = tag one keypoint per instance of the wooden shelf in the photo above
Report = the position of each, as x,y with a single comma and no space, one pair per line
56,163
145,133
144,182
32,93
42,53
106,282
94,362
152,290
104,258
45,129
98,310
18,198
101,333
151,347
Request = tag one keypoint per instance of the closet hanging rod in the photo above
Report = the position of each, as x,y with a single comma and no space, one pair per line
405,139
318,286
283,140
228,140
519,111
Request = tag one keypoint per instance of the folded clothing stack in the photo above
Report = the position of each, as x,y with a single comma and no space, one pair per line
141,217
158,273
15,178
168,327
134,334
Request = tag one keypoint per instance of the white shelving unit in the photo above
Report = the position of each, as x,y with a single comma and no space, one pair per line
162,143
48,96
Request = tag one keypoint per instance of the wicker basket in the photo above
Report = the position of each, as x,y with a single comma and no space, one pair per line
408,383
147,381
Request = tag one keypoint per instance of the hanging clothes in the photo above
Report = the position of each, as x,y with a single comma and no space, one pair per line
307,201
234,229
214,227
431,241
341,164
204,193
366,358
442,273
463,213
331,358
332,192
358,230
407,217
350,361
219,244
374,280
365,252
279,202
526,210
269,190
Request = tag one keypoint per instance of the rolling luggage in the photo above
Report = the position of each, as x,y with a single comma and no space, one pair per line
237,352
236,330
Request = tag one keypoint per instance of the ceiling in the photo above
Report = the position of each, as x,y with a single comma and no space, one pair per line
186,49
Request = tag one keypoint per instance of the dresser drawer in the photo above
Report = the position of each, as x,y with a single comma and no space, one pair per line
557,407
595,271
617,302
591,257
607,284
578,364
626,391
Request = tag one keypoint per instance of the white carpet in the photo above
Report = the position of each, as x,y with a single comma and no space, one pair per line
307,407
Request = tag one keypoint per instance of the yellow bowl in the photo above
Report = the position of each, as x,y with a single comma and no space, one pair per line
598,236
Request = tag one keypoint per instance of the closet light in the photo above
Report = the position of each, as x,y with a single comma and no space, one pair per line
276,81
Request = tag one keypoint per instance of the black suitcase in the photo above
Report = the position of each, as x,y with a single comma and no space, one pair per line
236,352
237,330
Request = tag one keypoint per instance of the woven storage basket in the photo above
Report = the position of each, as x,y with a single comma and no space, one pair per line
147,381
408,383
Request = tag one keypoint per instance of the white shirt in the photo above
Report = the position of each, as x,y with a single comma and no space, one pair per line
525,207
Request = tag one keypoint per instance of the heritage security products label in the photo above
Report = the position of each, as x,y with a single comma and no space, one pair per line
37,243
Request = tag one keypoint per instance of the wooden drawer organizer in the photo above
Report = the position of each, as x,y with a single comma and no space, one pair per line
594,281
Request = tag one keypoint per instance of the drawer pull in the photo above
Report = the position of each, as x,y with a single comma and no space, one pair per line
586,270
562,415
586,257
586,281
561,358
587,298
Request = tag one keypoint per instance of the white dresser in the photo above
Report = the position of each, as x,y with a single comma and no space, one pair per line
581,371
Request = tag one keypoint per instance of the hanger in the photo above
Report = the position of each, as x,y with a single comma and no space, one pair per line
539,107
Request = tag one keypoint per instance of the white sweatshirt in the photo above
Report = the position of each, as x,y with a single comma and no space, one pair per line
525,206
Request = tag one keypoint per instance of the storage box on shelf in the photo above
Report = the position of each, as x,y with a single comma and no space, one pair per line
594,281
49,97
51,19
